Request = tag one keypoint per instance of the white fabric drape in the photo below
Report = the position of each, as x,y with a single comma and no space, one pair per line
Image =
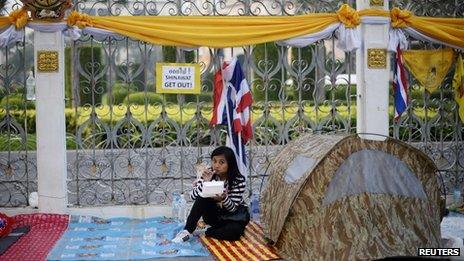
99,34
308,39
397,37
73,32
11,36
348,38
49,27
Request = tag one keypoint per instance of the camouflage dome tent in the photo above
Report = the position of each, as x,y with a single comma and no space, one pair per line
338,197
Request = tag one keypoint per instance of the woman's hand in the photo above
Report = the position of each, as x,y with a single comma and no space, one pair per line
219,197
207,174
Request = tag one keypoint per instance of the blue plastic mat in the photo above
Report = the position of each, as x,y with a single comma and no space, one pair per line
92,238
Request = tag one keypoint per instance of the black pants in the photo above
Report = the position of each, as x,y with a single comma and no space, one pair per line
211,213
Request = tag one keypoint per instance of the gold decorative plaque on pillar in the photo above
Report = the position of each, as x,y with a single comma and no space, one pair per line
47,61
377,3
376,58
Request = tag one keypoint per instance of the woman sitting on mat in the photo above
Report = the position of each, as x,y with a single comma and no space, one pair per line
226,213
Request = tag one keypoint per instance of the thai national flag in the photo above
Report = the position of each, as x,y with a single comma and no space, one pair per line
236,93
400,86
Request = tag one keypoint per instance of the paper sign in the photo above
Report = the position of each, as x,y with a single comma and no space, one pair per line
178,78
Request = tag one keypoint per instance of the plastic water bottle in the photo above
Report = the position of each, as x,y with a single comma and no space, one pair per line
457,195
182,208
175,205
255,208
30,86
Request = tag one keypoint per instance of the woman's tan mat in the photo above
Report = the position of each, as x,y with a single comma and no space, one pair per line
250,247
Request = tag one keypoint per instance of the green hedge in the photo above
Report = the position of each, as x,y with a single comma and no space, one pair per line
203,97
169,55
270,53
120,95
16,101
139,98
86,53
119,92
111,118
14,142
136,82
266,52
340,93
304,55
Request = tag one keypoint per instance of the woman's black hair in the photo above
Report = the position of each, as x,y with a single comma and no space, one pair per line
233,173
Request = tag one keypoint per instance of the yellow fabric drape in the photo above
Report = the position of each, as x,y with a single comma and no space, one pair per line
243,30
458,85
239,31
447,30
213,31
18,18
348,16
216,31
400,18
4,22
429,67
79,20
374,12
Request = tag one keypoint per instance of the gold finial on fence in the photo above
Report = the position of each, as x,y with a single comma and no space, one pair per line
93,168
130,167
164,167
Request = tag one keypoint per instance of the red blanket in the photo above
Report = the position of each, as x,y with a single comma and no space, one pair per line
46,229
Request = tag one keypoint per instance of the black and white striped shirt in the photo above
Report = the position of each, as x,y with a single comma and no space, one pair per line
234,196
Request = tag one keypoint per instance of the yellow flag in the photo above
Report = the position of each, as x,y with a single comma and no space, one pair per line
458,85
429,67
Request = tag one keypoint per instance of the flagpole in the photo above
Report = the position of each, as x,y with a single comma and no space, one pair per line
241,154
226,88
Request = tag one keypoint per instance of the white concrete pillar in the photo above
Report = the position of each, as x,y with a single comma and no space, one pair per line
372,72
50,121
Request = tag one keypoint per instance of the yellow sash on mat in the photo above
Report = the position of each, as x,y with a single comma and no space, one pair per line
429,67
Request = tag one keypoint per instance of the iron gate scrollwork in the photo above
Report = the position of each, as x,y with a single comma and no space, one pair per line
129,145
134,146
18,170
151,152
